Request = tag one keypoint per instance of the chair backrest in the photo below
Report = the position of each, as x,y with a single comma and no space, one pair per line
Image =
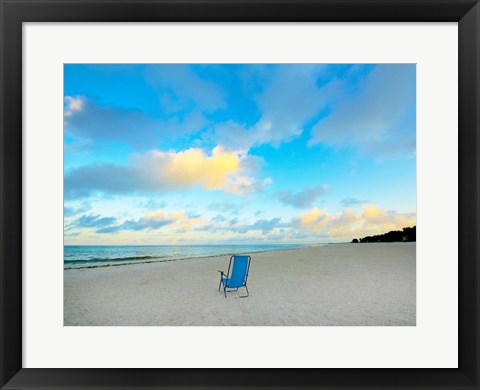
239,275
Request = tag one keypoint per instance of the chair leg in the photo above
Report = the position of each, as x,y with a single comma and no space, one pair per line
225,291
220,284
245,296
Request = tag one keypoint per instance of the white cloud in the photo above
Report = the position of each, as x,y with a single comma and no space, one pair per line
376,116
290,99
73,104
246,185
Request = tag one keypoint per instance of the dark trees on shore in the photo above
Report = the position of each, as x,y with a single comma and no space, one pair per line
407,234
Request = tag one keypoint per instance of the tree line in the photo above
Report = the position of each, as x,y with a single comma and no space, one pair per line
407,234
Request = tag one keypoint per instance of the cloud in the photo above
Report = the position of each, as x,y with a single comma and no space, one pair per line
110,178
156,220
152,204
290,99
219,218
222,170
263,225
153,220
149,221
71,211
85,119
77,145
166,171
344,223
91,221
211,228
73,104
185,100
236,136
389,220
349,201
86,122
191,167
72,234
372,212
348,224
186,223
192,214
225,207
377,115
245,185
232,226
266,225
179,87
314,220
304,198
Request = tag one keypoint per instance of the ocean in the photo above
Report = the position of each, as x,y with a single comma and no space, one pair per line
81,256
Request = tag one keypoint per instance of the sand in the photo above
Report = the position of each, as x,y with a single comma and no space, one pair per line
333,285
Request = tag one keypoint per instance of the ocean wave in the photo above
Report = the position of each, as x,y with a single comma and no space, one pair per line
111,259
130,260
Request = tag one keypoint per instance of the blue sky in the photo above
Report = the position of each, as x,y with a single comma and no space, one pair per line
213,154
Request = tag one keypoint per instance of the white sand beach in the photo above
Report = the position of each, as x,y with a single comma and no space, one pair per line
333,285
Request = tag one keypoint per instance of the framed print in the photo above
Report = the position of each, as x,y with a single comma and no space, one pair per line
298,149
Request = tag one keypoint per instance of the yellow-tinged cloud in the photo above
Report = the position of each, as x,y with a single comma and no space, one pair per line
223,169
160,215
153,171
372,212
348,224
315,220
194,166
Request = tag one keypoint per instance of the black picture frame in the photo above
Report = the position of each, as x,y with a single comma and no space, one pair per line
15,12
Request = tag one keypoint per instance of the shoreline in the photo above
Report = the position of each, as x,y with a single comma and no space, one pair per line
190,258
224,254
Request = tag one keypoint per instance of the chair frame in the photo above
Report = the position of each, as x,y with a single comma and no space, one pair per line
222,274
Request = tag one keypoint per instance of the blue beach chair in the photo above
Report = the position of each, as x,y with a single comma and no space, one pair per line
238,276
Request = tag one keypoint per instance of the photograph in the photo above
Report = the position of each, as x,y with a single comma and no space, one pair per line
244,173
280,194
